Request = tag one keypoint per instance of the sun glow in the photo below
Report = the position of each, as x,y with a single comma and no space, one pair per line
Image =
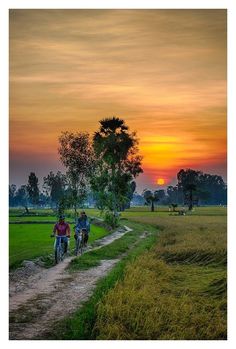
160,181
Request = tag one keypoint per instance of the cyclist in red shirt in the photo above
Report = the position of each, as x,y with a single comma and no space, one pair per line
61,231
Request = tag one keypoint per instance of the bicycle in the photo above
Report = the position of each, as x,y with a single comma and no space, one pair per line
80,241
59,248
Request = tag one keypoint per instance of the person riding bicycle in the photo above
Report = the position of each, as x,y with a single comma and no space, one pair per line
82,224
61,231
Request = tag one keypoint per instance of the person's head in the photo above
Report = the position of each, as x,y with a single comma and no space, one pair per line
61,218
82,214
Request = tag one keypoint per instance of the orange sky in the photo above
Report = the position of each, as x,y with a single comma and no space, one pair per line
162,71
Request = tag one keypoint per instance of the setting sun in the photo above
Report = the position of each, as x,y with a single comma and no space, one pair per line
160,181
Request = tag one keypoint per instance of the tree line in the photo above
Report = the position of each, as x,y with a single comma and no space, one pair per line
101,171
193,188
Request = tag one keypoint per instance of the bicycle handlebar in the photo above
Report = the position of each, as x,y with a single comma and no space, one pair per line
55,236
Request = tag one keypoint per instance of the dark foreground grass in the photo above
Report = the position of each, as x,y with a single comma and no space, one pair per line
81,324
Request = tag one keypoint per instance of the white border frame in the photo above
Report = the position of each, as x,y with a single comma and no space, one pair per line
230,5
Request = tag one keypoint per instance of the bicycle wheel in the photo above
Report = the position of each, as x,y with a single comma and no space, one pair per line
77,247
57,255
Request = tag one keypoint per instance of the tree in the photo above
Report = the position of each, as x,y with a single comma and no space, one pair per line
117,164
188,181
198,186
22,197
172,192
161,195
130,193
76,154
138,199
150,197
12,192
55,186
33,189
213,190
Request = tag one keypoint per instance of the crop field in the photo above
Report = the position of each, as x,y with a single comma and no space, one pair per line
170,285
29,241
177,290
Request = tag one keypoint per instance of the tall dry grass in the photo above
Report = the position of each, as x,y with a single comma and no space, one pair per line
175,291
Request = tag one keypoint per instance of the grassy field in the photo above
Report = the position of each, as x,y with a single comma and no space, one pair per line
177,290
28,241
170,285
42,212
172,288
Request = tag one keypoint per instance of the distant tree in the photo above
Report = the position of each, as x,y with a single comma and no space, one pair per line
43,199
213,190
188,181
22,197
151,198
117,164
138,199
33,189
76,154
55,186
12,192
189,195
160,194
172,192
198,186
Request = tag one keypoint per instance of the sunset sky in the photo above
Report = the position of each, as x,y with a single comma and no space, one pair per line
162,71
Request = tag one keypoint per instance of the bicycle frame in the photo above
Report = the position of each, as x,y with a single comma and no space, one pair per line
80,242
59,250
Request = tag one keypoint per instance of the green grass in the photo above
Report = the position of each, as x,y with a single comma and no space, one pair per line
32,219
29,241
171,285
111,251
18,212
144,211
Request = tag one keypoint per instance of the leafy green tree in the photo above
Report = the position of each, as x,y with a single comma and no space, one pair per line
130,193
55,187
117,164
33,189
76,154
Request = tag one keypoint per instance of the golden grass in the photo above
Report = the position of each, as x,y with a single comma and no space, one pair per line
175,291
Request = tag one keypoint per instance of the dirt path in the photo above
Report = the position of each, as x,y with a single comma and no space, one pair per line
34,296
